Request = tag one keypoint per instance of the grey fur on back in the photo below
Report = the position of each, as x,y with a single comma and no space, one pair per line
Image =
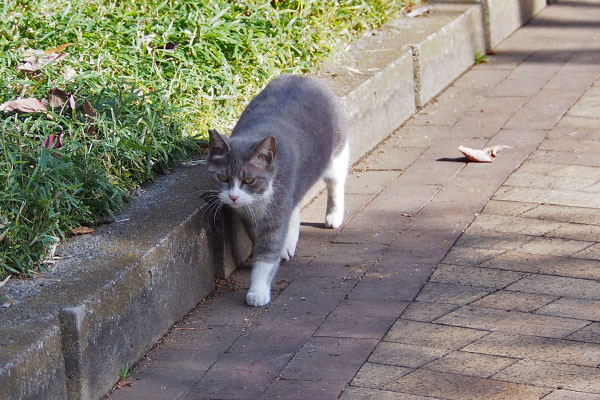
309,125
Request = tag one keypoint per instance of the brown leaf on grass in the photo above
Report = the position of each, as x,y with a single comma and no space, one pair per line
90,116
170,46
419,11
53,141
27,105
58,49
36,62
486,155
57,98
82,230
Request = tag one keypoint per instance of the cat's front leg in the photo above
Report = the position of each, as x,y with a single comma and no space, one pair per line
259,293
293,233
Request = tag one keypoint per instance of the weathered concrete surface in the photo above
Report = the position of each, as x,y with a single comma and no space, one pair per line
503,17
123,287
119,291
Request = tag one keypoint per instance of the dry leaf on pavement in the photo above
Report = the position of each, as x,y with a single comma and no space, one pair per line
486,155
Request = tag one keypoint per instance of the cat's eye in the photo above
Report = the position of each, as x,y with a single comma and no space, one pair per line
222,178
248,181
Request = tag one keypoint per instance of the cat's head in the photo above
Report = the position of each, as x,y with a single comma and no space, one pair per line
242,172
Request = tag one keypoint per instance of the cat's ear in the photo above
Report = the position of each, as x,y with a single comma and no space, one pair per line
264,152
219,144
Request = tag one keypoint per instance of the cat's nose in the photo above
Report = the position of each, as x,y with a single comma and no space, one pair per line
233,197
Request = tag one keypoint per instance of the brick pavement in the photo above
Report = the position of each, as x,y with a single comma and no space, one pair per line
448,280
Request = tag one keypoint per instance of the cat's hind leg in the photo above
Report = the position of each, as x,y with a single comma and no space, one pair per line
335,179
291,238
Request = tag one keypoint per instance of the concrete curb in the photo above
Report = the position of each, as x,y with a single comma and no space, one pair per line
71,331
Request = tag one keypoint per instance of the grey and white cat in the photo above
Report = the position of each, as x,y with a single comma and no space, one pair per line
291,135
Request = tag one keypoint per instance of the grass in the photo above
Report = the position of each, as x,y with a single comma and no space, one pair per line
157,75
480,58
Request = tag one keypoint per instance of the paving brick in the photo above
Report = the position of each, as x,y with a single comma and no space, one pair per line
579,122
592,252
511,322
538,168
361,319
396,283
508,208
577,232
157,384
580,157
459,255
193,348
587,106
551,265
358,393
376,376
481,80
492,240
343,259
372,226
590,334
432,335
505,224
514,301
452,294
369,182
561,394
558,286
427,312
578,171
555,246
548,181
405,355
390,157
537,348
573,377
472,364
411,135
460,387
473,276
556,197
489,115
434,172
446,109
329,359
301,390
573,308
544,109
239,376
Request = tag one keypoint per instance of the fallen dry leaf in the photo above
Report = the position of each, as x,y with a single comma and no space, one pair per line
34,63
419,11
58,49
83,230
27,105
53,141
57,98
486,155
90,116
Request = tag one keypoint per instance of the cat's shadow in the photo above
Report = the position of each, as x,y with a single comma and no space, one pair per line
313,224
453,159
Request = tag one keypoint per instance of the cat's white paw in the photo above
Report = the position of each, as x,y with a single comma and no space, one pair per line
289,249
334,219
258,298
